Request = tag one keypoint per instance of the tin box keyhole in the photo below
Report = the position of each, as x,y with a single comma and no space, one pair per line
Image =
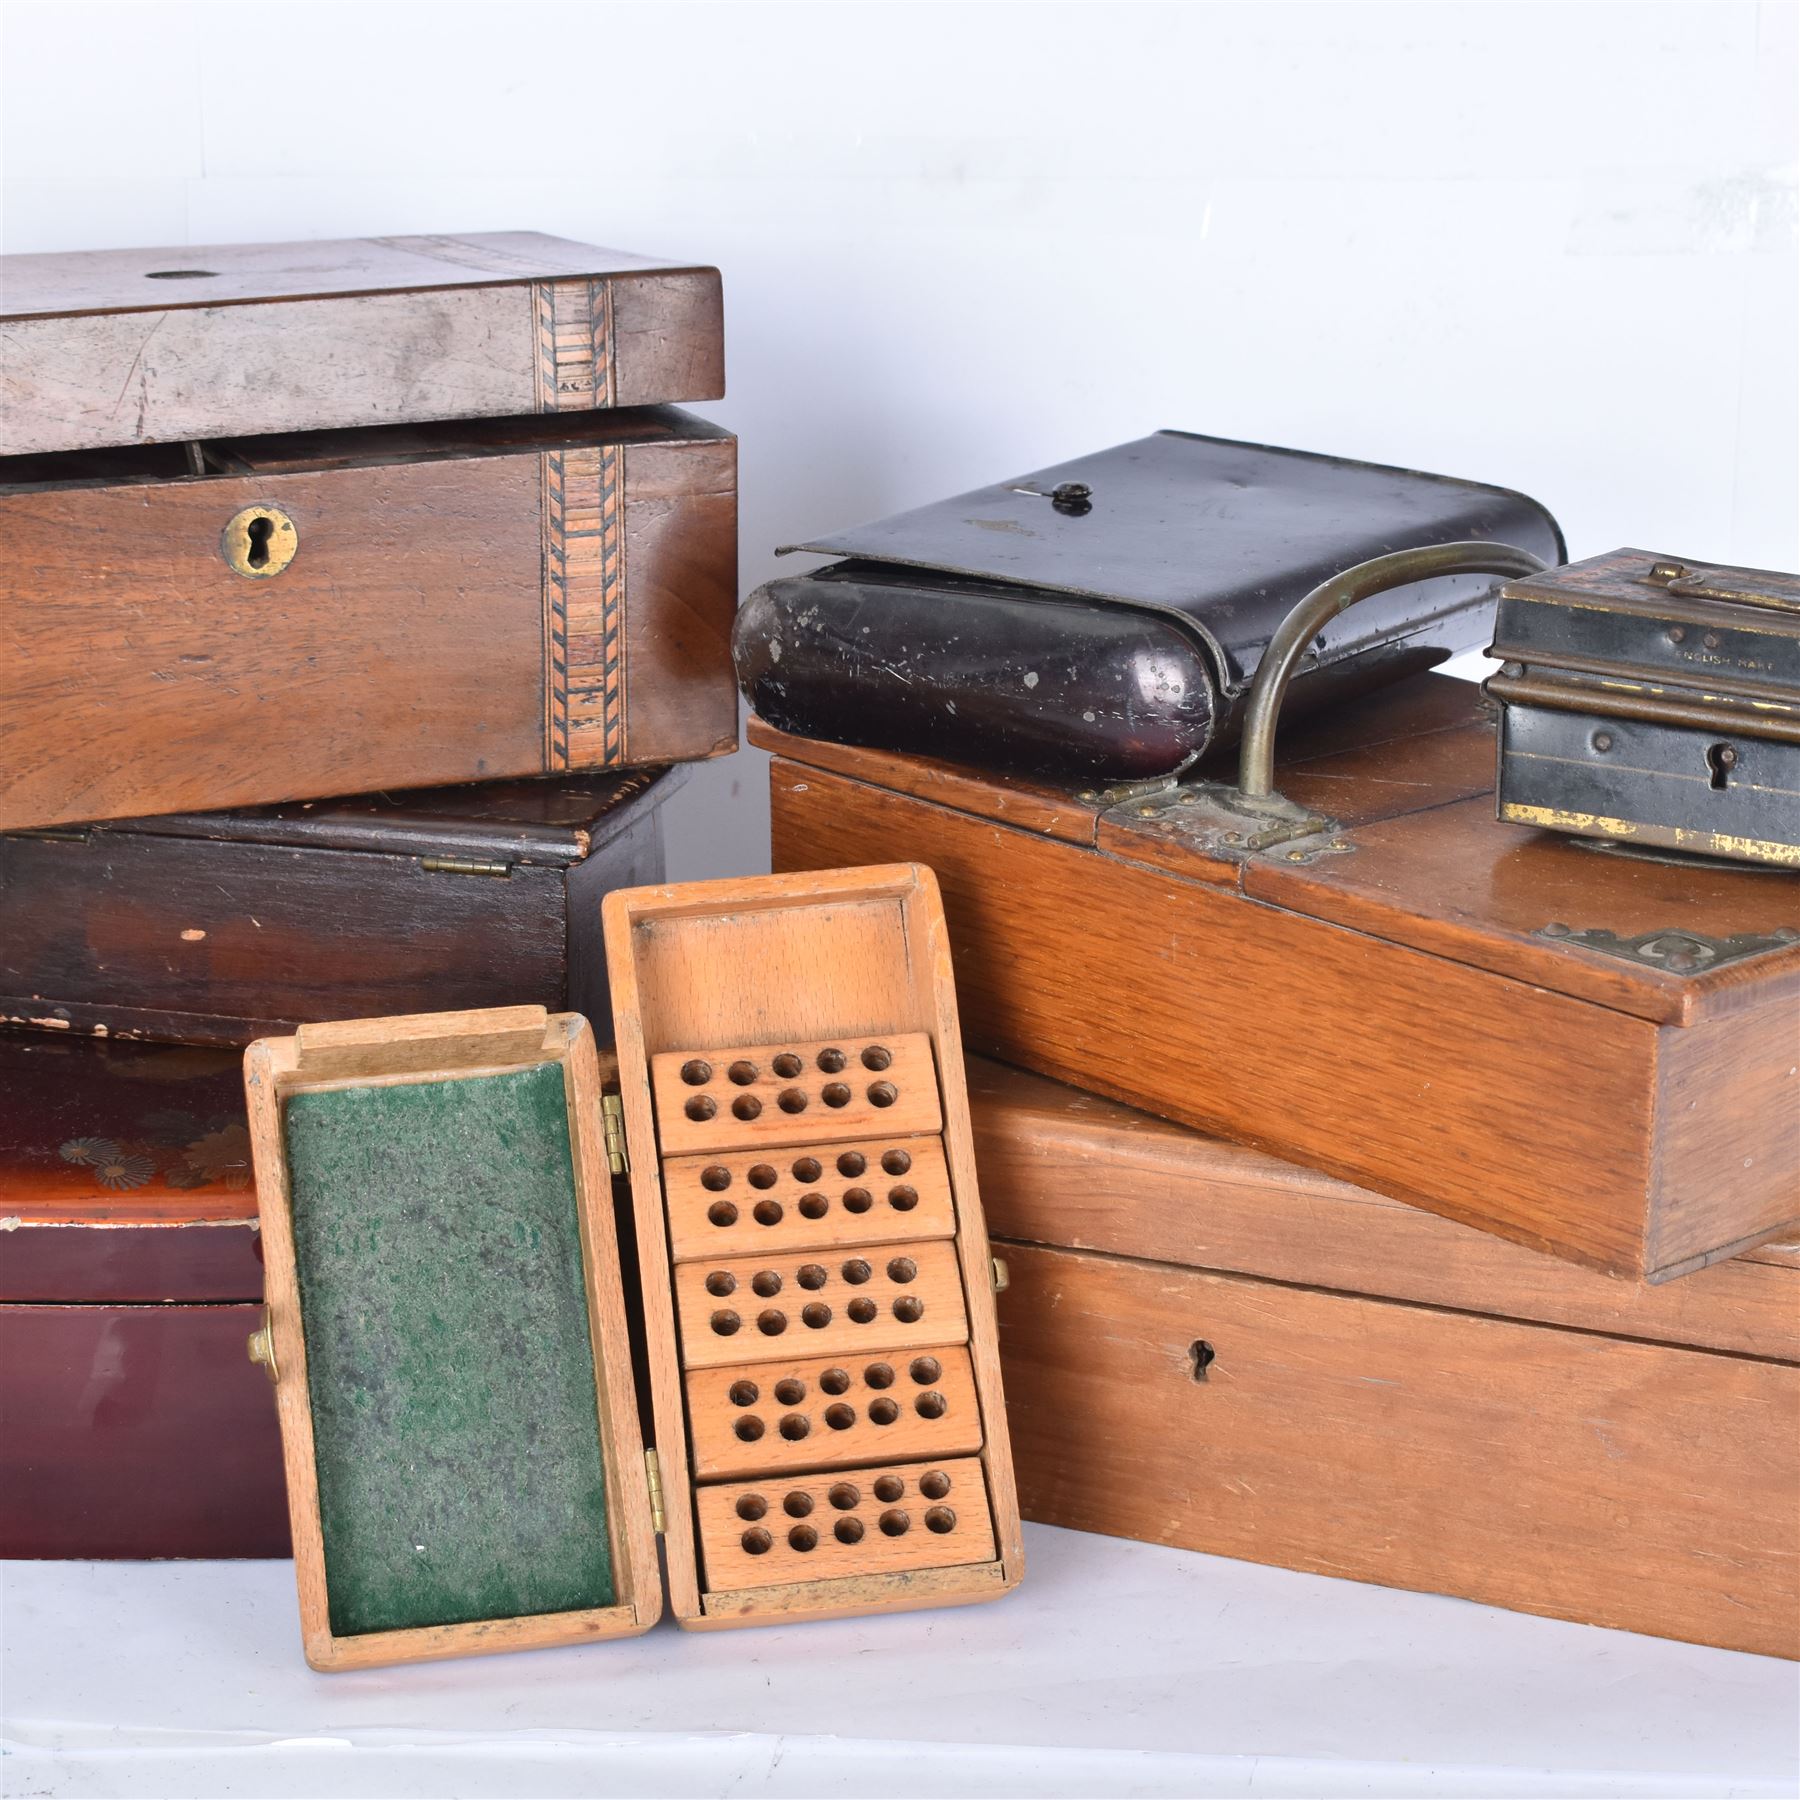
258,531
1721,759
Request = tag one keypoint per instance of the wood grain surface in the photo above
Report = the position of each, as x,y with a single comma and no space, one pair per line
419,635
1524,1108
1637,1485
1068,1169
144,346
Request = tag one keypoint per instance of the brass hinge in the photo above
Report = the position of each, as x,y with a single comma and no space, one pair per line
612,1115
462,865
653,1473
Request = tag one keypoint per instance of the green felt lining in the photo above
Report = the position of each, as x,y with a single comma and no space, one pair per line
449,1359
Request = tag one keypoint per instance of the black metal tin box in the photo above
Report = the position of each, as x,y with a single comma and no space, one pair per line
1652,701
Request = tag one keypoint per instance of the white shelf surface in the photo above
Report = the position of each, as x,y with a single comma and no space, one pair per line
1117,1669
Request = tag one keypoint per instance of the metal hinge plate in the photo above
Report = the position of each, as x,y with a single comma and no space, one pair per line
462,865
653,1474
1678,951
612,1116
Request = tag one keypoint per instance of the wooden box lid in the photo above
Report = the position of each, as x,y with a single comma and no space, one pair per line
115,347
1589,1051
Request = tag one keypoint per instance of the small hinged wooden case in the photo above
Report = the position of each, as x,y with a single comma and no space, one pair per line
446,1323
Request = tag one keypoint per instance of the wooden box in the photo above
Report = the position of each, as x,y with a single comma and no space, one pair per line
221,927
1589,1053
1206,1347
859,1464
109,347
130,1275
275,618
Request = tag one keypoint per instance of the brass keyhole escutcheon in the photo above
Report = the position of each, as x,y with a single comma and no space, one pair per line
260,541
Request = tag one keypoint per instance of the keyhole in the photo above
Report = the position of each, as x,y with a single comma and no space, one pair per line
1721,759
1202,1354
259,531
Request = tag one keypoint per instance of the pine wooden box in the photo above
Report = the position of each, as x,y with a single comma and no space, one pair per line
1586,1053
839,1388
434,603
1207,1347
222,927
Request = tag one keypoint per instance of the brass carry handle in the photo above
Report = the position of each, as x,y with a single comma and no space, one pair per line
1256,763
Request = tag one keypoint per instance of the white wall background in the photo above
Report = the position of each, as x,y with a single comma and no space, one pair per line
1551,245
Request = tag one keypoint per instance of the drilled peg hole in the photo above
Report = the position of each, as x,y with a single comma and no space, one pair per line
848,1531
765,1283
940,1519
878,1375
858,1200
845,1496
700,1108
787,1065
883,1411
751,1507
856,1271
896,1162
831,1061
742,1073
715,1179
745,1393
889,1488
749,1428
771,1323
931,1406
835,1381
756,1541
839,1416
803,1538
909,1309
725,1322
862,1312
746,1107
924,1370
798,1504
816,1314
795,1426
813,1206
722,1212
902,1269
789,1391
895,1523
876,1058
808,1169
834,1093
903,1198
883,1093
811,1276
767,1212
696,1073
720,1283
791,1100
934,1484
851,1164
761,1177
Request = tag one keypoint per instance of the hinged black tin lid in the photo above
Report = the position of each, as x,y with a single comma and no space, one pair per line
1220,536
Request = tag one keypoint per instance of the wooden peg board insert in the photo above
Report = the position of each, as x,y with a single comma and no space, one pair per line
902,1516
816,1271
852,1302
766,1418
785,1093
818,1196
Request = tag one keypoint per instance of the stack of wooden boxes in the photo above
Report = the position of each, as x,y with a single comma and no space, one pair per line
280,522
1446,1249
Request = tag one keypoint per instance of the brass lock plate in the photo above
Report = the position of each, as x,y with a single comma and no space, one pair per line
259,541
